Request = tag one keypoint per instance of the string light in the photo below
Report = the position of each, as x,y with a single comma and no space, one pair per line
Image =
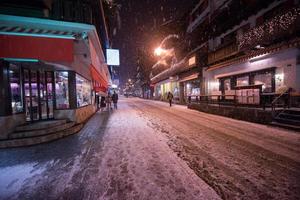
278,25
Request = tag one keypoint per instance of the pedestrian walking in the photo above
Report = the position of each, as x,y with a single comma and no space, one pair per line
170,98
115,98
102,103
108,101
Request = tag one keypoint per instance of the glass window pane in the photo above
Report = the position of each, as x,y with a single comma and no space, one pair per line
227,85
15,87
242,81
264,79
62,89
83,90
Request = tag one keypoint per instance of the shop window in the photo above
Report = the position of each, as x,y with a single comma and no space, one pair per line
176,92
193,88
83,89
264,79
242,81
62,90
15,88
227,84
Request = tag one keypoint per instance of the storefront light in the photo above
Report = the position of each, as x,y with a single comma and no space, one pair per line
21,60
114,86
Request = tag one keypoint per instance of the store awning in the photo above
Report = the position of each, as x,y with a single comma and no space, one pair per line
99,82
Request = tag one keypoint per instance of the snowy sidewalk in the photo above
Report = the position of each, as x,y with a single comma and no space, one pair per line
117,155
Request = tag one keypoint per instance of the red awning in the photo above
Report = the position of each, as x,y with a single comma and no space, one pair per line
99,82
41,48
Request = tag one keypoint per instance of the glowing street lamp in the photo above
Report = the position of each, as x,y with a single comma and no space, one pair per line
159,51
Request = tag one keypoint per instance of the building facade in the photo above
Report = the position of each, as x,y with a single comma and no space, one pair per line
52,64
243,50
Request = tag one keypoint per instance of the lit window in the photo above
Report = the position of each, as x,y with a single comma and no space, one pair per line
62,90
15,88
83,90
242,81
192,61
265,80
227,85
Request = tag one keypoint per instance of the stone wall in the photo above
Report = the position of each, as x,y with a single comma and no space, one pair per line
241,113
82,114
78,115
8,124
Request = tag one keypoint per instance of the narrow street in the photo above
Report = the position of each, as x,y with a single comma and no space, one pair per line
148,150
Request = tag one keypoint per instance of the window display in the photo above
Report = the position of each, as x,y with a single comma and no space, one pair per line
62,90
83,91
15,88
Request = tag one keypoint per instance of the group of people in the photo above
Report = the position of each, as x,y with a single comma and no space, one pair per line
106,101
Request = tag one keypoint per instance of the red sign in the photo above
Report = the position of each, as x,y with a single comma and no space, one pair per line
40,48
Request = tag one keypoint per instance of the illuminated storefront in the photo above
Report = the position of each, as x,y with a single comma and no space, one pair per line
262,75
162,88
46,77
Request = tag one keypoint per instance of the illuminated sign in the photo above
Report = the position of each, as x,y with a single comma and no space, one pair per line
192,60
113,57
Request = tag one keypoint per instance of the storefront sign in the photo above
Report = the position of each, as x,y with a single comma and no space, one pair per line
40,48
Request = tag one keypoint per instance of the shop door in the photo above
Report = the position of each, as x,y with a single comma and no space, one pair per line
39,94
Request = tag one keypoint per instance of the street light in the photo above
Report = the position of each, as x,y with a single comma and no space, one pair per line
159,51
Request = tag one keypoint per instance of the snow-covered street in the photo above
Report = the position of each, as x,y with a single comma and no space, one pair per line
147,150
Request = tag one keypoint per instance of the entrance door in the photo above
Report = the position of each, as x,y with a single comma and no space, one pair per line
39,93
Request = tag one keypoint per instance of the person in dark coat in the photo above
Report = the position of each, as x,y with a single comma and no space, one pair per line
115,99
170,98
102,103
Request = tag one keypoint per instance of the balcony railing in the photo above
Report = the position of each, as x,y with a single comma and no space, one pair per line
223,52
282,26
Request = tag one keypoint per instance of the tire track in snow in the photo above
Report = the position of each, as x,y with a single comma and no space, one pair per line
264,162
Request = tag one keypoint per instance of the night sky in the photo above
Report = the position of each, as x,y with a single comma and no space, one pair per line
140,22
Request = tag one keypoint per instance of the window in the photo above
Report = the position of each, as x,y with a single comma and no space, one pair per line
15,88
227,85
62,90
264,79
242,81
83,89
192,88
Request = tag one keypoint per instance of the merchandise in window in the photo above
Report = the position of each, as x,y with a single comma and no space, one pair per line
62,90
83,89
15,88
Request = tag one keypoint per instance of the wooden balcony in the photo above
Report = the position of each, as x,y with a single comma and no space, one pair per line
271,31
223,52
